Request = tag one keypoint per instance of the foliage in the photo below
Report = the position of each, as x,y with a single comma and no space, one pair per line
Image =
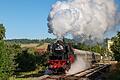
7,65
22,41
7,53
14,78
116,46
94,48
27,41
99,49
2,31
81,46
42,59
27,60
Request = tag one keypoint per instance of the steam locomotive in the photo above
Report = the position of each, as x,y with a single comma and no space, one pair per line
62,55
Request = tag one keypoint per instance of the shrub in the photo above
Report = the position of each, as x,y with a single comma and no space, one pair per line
26,61
7,65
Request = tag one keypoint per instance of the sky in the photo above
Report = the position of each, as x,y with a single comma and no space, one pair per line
27,18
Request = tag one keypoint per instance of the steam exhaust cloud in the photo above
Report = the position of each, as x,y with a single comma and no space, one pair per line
78,65
86,20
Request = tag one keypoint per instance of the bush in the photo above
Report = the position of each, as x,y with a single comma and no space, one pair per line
26,61
7,65
116,47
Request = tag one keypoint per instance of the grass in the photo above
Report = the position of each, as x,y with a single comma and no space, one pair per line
13,78
27,75
44,45
29,45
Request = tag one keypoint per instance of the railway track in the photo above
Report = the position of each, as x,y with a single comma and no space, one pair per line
87,74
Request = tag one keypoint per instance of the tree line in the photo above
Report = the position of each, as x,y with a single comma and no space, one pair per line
116,46
27,41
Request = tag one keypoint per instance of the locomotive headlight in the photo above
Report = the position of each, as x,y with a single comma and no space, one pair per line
51,66
68,61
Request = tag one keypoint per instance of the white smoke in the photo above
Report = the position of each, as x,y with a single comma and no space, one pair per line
78,65
85,20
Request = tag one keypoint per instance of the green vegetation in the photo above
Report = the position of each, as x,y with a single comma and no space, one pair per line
22,41
98,48
28,41
116,46
14,78
2,31
25,61
28,60
7,64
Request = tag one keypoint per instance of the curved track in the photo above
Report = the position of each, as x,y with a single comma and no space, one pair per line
85,74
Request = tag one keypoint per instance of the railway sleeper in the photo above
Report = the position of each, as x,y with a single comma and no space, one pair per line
98,74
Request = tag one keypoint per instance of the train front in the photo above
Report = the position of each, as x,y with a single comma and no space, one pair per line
61,56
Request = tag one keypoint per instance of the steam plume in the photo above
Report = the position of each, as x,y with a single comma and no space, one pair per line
86,20
78,66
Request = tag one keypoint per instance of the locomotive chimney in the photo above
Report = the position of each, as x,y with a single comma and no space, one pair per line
64,40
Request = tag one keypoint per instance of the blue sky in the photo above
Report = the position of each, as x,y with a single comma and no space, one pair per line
26,18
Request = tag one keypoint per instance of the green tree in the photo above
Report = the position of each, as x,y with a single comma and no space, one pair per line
26,60
2,31
7,66
116,46
81,46
7,53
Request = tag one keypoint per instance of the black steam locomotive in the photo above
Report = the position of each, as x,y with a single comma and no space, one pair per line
61,56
